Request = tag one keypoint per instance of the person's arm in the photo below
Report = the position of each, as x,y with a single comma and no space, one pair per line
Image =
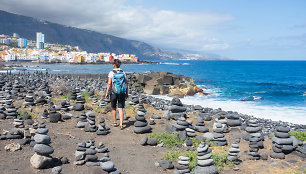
109,83
127,89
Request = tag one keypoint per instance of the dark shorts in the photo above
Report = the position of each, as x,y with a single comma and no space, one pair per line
120,98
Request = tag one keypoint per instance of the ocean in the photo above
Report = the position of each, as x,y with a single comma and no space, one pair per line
267,89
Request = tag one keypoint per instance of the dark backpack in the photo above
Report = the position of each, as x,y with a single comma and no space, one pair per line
118,82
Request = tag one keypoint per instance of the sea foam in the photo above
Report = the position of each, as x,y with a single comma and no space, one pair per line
276,113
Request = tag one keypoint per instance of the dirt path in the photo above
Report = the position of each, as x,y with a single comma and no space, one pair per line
124,149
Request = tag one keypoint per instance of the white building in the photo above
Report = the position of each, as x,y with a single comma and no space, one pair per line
40,40
22,42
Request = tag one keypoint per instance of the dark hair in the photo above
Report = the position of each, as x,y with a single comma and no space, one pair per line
117,62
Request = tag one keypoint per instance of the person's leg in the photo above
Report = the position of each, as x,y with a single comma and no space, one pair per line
121,102
121,116
113,99
114,116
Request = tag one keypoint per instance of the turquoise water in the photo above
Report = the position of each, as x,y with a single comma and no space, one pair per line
270,89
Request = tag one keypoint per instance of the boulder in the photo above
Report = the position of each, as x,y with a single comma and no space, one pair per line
39,161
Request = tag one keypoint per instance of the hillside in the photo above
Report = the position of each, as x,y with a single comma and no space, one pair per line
90,41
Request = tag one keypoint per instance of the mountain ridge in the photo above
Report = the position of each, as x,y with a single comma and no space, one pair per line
88,40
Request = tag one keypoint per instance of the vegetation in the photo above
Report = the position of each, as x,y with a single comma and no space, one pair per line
212,143
22,112
299,135
296,172
98,110
220,160
195,142
271,135
86,95
169,140
130,110
173,156
62,97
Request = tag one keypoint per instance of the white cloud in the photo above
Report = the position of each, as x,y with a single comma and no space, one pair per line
167,28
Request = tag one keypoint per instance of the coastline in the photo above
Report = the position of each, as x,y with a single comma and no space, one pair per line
273,113
192,101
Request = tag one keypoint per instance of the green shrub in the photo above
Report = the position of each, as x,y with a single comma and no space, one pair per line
22,112
86,95
220,160
212,143
169,140
195,142
299,135
173,156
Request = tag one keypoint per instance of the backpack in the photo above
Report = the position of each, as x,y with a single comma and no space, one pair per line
118,82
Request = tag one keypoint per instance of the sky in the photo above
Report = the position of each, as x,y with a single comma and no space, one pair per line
236,29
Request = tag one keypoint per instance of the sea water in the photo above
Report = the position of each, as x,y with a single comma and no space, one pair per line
268,89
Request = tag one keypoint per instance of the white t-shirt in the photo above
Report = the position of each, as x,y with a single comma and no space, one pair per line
111,73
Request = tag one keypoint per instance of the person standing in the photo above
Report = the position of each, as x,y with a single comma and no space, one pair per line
117,90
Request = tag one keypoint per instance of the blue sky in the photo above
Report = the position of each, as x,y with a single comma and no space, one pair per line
261,29
237,29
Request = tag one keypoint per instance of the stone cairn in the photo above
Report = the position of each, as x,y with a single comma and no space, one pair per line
54,116
73,95
27,136
82,120
177,109
255,138
45,114
205,114
219,137
189,144
222,119
93,97
41,101
2,114
42,148
102,129
190,132
29,99
103,102
86,153
14,133
200,126
205,164
11,111
141,125
80,101
101,148
233,119
180,126
135,98
233,154
282,143
19,122
65,105
91,119
182,165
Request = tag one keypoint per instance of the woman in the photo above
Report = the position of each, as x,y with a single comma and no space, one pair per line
119,91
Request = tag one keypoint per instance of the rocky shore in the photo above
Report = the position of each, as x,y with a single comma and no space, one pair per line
61,123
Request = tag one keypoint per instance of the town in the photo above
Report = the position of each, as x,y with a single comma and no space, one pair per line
15,48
